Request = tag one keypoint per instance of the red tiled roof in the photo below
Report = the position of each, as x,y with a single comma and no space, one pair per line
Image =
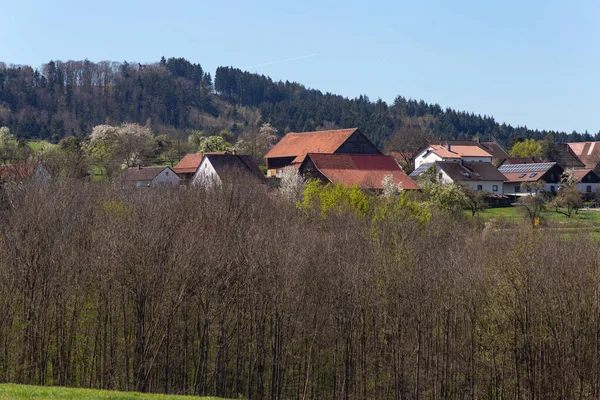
299,144
362,170
190,162
142,173
10,172
459,150
581,173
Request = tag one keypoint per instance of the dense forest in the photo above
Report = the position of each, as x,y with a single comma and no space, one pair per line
174,96
236,293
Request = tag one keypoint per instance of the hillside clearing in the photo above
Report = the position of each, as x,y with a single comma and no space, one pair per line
10,391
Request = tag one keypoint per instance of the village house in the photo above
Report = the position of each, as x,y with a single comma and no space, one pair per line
363,170
518,174
496,150
453,151
216,168
23,172
588,153
588,181
293,147
476,175
189,165
150,176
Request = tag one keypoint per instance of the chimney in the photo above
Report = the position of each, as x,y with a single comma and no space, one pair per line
234,152
139,167
449,146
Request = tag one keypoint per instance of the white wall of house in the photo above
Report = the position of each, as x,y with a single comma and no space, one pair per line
426,157
583,187
41,174
166,177
206,174
510,188
429,157
476,159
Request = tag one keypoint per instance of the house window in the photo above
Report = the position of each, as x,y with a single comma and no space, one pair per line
553,189
528,189
588,188
495,188
440,176
167,173
479,187
517,189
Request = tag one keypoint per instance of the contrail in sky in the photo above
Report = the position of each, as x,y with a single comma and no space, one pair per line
280,61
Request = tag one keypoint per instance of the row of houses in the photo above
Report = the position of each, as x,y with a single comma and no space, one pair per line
348,157
487,166
344,156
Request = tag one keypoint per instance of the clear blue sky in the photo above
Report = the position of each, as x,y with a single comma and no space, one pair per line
533,63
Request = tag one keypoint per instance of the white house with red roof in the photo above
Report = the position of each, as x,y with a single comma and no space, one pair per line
453,151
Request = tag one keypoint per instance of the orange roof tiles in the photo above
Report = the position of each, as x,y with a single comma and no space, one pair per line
362,170
299,144
459,150
17,171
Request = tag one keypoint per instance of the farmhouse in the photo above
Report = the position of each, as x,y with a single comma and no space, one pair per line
518,174
293,147
467,151
23,172
475,175
216,168
363,170
150,176
588,180
188,166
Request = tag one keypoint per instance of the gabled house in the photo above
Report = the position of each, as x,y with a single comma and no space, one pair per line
467,151
588,180
150,176
217,168
188,166
23,172
518,174
363,170
293,147
475,175
563,155
588,153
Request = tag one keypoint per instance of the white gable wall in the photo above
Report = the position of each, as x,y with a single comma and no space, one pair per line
166,177
426,156
206,174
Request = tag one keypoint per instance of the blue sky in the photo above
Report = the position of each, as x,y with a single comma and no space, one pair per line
533,63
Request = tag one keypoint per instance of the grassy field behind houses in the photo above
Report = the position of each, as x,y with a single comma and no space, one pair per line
511,215
12,392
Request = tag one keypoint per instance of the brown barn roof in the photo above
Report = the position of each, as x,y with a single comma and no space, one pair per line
495,150
470,171
134,174
299,144
10,172
362,170
190,162
587,152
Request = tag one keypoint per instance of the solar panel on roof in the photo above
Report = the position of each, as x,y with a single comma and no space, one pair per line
420,169
535,167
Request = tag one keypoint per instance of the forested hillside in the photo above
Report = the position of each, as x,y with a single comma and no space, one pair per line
173,96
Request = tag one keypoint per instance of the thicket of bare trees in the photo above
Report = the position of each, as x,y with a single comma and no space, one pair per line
232,292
